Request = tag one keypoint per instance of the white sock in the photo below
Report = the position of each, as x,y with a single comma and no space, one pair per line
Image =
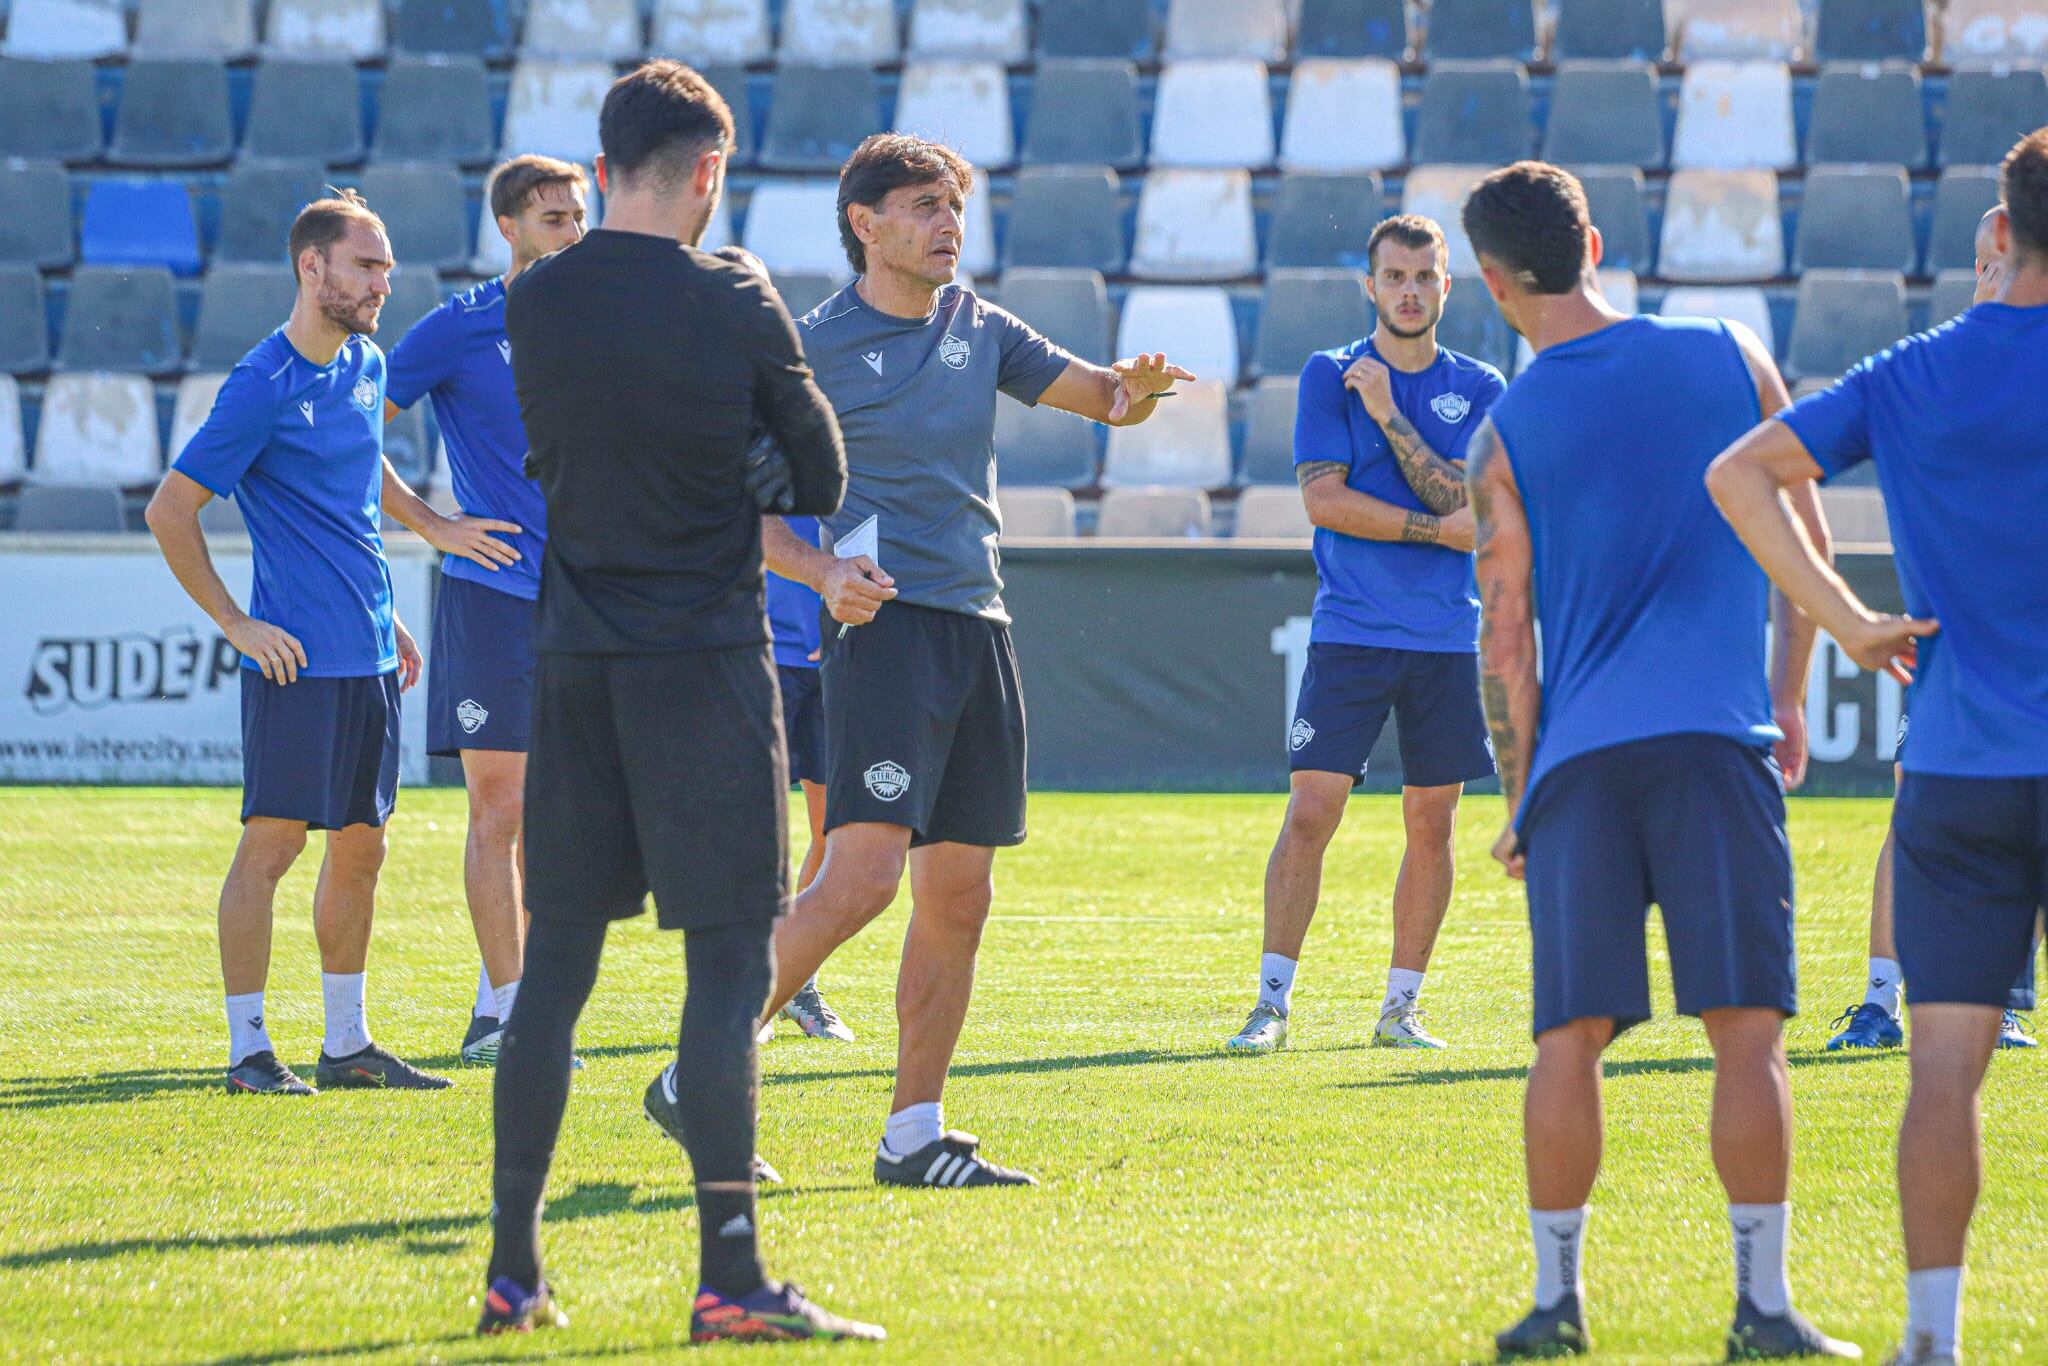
1885,983
502,999
1759,1232
246,1033
348,1027
1934,1311
912,1127
1404,985
1560,1236
485,1001
1276,981
811,984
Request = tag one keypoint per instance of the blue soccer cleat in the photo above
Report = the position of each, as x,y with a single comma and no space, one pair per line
1868,1026
774,1313
2012,1032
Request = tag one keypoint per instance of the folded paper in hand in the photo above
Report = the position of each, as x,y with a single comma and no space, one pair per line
865,539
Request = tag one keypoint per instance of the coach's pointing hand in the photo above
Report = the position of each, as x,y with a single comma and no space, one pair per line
854,590
1143,377
276,651
470,537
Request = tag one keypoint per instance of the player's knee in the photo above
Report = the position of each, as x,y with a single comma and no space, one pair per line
357,852
269,848
495,812
861,888
1313,818
1575,1044
1430,816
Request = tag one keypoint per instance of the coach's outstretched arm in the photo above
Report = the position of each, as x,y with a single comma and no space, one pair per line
788,402
1120,395
1504,562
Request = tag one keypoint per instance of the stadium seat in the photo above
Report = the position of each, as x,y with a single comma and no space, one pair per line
804,290
53,30
49,111
1856,515
1856,218
1722,227
13,449
1739,30
1605,113
712,31
1273,514
174,113
1994,30
1842,316
98,429
1472,325
1269,431
1954,291
589,30
221,29
309,111
1439,192
494,254
819,115
1961,199
121,319
1614,194
1734,115
1194,326
424,211
414,294
1989,109
350,29
1064,216
793,225
1255,30
1085,112
965,105
1352,29
223,517
408,447
1344,116
1477,29
1619,287
970,31
1306,311
140,223
834,31
1043,445
70,509
1195,225
1868,113
453,28
1323,220
258,205
1029,511
731,84
1870,31
551,108
24,321
1213,114
978,231
1143,511
1475,112
1071,307
35,216
240,306
189,411
1121,29
1737,303
1610,29
436,111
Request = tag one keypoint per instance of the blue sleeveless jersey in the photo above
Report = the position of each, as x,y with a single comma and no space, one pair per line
1652,614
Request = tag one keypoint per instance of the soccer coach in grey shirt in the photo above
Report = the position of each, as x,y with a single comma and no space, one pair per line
924,718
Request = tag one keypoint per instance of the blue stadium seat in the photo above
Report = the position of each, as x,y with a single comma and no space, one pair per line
1305,311
1614,195
819,115
240,306
1323,220
1066,216
1044,446
730,32
174,113
1871,30
424,211
257,207
1961,199
1122,29
452,28
24,325
121,319
310,110
804,290
49,111
1621,29
1477,29
35,216
1473,326
1988,110
436,111
1842,316
1473,112
13,446
1269,432
594,30
222,29
1856,218
1605,113
1352,28
140,223
1085,112
70,508
1868,112
1069,306
50,30
1953,294
414,294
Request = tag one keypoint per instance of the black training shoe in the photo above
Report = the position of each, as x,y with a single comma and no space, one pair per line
1559,1331
950,1161
1757,1336
261,1074
480,1044
774,1313
659,1104
372,1068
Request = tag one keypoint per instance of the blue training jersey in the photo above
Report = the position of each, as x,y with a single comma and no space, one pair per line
1653,615
300,447
793,609
459,357
1955,422
1388,593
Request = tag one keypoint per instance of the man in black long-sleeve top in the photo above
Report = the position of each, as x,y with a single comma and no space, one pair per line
642,367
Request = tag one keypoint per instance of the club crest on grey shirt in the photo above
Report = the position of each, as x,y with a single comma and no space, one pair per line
916,399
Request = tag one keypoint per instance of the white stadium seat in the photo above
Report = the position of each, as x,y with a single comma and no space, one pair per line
965,105
794,225
1344,116
1163,511
195,28
836,31
569,30
1227,28
1214,114
1041,512
1733,115
1195,225
1193,325
1272,512
196,394
353,29
1439,193
703,32
552,108
51,30
13,451
1722,227
970,30
1618,287
1737,303
1994,30
978,245
1738,30
98,428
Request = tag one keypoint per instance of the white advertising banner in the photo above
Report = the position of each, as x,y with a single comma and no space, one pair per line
110,674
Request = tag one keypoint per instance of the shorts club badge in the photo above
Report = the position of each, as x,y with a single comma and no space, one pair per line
888,780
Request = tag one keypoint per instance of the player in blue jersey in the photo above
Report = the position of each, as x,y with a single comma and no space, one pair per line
1952,419
480,688
1638,769
296,437
1379,444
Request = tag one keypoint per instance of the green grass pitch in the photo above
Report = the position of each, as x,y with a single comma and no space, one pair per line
1332,1203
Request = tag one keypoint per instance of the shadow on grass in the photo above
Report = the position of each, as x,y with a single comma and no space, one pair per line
46,1093
1131,1057
351,1349
1622,1067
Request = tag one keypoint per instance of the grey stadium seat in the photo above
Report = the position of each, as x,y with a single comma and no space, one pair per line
1614,194
35,216
1473,112
1030,511
1863,112
414,294
1122,29
406,445
1871,30
1954,291
1352,28
435,111
804,290
1988,110
425,212
1069,306
121,318
731,82
173,113
1066,216
195,28
1042,445
1267,512
464,28
257,207
1460,29
1153,512
1961,199
1472,324
819,115
311,109
1323,220
1633,29
239,305
24,321
1841,317
70,507
1269,431
1085,113
1306,311
1605,113
49,111
1856,218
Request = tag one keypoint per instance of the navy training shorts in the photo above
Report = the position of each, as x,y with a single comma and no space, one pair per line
480,669
803,723
1968,879
321,750
1348,691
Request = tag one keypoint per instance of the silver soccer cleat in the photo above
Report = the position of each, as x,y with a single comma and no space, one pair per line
1265,1031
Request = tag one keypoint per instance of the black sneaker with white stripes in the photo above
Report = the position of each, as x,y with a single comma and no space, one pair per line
658,1103
950,1161
262,1074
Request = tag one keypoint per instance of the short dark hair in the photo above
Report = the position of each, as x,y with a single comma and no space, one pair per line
889,161
515,183
1407,230
2023,181
660,118
326,221
740,256
1532,218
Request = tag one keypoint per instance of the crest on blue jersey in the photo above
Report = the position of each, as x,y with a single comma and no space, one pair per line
953,351
366,394
1451,407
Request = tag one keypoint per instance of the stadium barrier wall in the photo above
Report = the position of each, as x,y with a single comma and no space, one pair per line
1147,667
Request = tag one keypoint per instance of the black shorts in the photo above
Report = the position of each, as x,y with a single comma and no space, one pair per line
803,723
924,726
659,773
1970,875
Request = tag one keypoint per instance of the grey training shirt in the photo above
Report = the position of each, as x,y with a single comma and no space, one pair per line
916,399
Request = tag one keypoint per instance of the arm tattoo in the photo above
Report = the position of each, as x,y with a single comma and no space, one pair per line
1420,529
1438,482
1504,592
1308,471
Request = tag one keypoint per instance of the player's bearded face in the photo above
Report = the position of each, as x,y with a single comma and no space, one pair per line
920,229
1408,288
356,280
